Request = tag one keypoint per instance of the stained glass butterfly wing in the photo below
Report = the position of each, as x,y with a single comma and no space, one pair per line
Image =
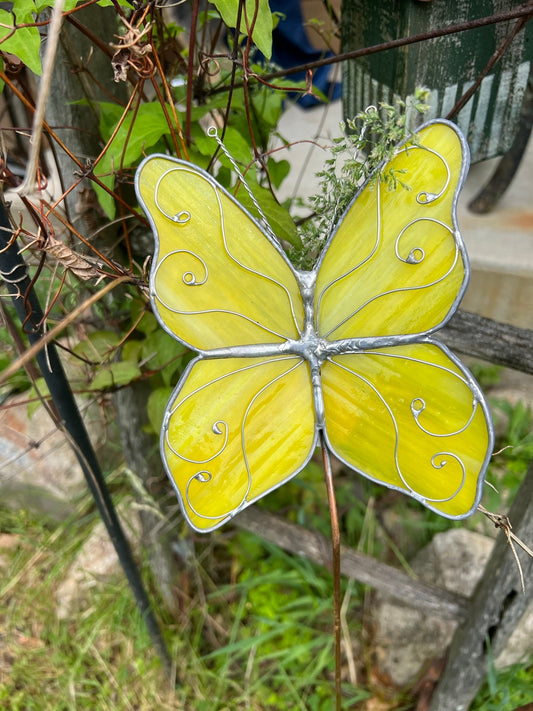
235,427
405,414
216,280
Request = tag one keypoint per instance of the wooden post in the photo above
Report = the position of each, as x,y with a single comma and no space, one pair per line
497,607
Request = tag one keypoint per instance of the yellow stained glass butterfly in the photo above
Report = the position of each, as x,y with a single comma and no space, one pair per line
346,348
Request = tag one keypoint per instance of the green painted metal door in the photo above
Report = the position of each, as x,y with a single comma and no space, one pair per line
447,66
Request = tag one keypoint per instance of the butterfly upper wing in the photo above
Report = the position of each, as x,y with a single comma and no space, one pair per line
234,429
396,263
410,417
216,280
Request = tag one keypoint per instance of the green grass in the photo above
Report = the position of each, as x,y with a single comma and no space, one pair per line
262,643
506,689
259,641
254,630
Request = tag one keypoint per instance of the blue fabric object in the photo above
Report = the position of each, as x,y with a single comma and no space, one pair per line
291,47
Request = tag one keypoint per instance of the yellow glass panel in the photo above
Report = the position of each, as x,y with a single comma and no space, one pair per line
237,428
393,266
407,418
216,279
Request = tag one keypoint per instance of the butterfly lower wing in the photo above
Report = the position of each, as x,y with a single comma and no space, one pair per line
234,429
217,280
396,262
412,418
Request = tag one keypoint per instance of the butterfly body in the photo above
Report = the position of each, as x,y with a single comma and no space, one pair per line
346,349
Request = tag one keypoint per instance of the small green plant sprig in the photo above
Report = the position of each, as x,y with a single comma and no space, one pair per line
369,139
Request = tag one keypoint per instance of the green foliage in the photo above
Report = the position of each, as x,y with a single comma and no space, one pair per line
370,139
62,664
146,126
283,605
487,374
136,132
506,689
262,32
513,451
262,642
23,42
518,435
111,3
19,381
155,407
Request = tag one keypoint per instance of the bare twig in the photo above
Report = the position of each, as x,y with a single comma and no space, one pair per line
503,522
28,185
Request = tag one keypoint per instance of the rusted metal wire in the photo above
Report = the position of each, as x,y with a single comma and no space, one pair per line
494,59
524,11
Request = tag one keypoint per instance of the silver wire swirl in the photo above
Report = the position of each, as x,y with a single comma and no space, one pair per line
188,277
418,409
425,197
416,255
401,289
229,254
204,476
394,421
180,218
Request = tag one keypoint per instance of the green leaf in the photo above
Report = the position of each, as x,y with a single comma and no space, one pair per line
18,381
156,407
126,148
131,350
115,375
109,3
278,171
24,10
39,389
98,346
24,42
163,353
42,4
262,33
278,216
268,105
148,324
110,114
237,146
106,200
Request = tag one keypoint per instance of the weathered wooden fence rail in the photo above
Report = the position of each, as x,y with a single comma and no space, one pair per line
490,340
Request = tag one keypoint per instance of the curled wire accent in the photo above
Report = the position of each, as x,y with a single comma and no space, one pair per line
401,475
417,254
189,278
425,197
186,215
204,476
181,217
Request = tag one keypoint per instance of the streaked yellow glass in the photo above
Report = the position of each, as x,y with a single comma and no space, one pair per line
407,416
245,425
225,307
369,400
367,238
